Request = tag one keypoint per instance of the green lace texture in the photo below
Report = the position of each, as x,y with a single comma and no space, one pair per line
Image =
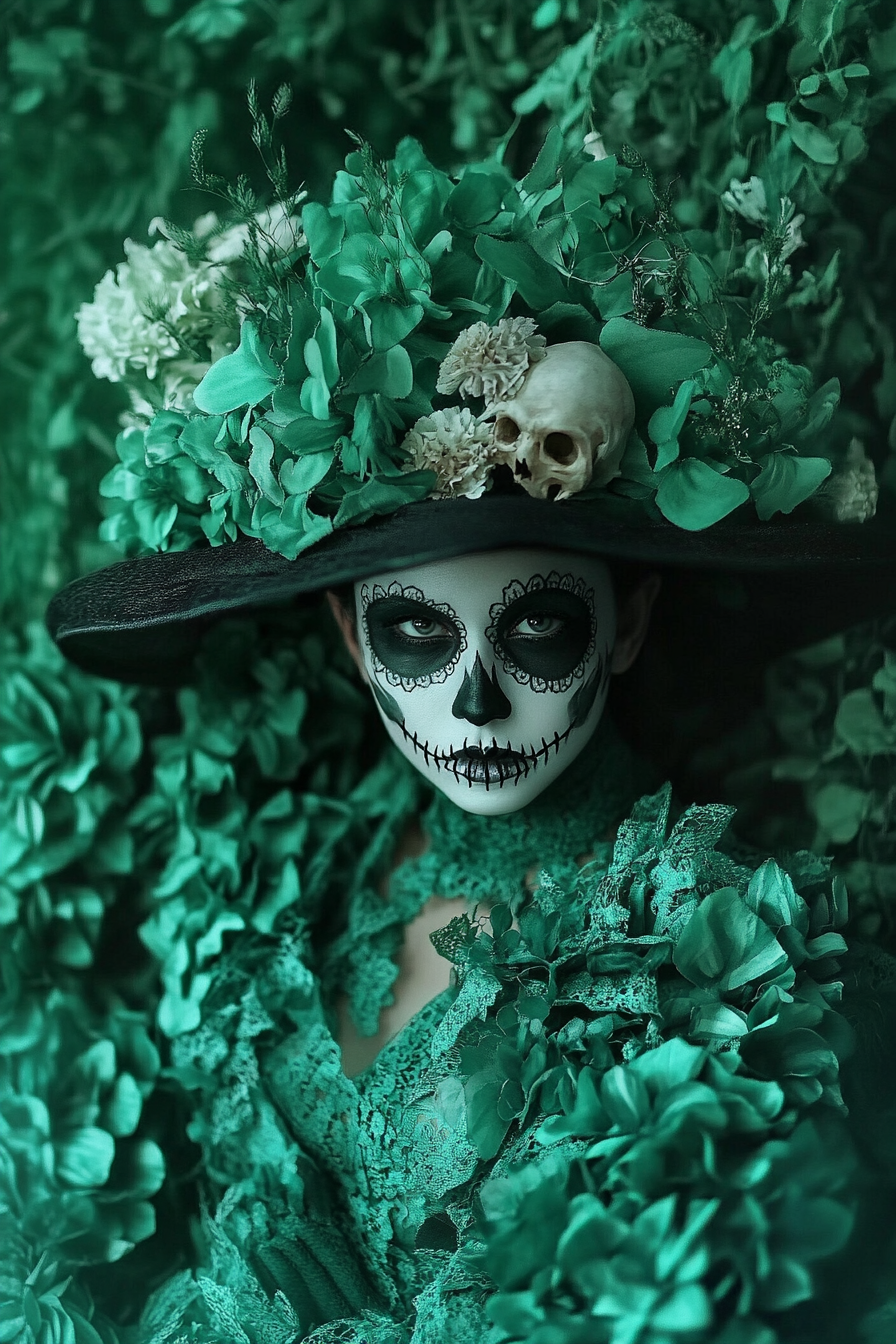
624,1121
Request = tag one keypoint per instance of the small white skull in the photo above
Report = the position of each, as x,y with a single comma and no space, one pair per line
569,421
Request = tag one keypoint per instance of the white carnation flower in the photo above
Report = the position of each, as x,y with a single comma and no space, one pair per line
491,362
454,445
853,491
747,199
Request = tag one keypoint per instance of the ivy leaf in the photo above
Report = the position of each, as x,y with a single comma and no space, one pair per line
242,379
694,495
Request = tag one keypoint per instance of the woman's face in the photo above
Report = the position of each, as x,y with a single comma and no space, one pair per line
490,671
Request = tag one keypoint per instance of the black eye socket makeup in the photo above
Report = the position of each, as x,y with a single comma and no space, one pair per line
544,636
412,641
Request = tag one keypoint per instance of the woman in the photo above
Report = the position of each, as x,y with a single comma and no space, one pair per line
522,1068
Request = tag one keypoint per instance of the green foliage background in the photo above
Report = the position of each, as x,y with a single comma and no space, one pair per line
137,829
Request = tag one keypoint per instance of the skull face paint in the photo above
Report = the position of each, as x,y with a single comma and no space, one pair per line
490,671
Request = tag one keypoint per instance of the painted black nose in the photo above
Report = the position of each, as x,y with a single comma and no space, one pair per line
480,699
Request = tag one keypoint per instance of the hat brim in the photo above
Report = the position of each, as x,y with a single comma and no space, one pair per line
141,620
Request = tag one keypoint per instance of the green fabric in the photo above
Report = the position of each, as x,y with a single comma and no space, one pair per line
623,1122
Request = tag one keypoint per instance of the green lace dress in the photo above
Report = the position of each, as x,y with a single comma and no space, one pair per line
622,1122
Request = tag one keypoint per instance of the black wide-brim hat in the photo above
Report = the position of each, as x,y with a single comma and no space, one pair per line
761,587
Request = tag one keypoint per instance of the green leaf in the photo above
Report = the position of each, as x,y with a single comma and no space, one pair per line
383,494
85,1158
816,21
693,495
625,1098
539,284
391,323
242,379
786,481
320,354
771,895
260,468
861,725
213,20
590,184
734,68
389,372
545,170
547,14
724,945
653,361
815,143
302,433
300,477
323,230
666,424
840,810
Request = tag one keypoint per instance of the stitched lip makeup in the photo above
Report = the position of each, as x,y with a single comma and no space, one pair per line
488,765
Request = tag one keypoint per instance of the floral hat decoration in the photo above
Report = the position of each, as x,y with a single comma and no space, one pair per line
430,365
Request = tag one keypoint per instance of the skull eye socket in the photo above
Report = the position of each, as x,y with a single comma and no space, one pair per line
560,448
506,430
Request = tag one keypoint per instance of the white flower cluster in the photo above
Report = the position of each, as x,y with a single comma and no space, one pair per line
162,316
484,361
853,491
749,200
277,231
491,362
454,445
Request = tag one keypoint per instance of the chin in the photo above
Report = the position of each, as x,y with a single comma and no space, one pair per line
492,802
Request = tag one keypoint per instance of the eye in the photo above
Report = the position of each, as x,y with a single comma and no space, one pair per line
421,627
411,639
545,633
539,624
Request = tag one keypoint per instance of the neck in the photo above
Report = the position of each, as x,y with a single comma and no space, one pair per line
485,858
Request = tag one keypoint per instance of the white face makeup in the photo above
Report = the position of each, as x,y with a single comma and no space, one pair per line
490,671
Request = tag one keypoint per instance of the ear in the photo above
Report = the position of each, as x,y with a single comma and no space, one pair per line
632,622
346,622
